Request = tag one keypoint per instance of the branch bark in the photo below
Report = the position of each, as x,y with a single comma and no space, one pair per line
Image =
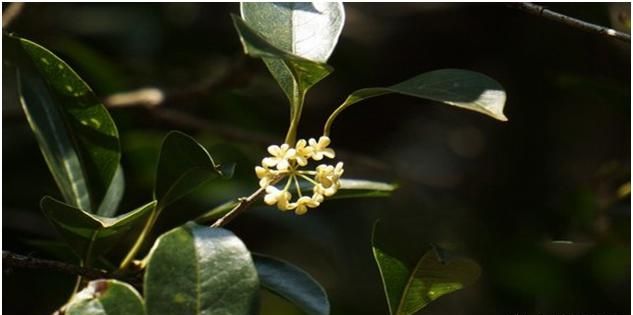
10,259
580,24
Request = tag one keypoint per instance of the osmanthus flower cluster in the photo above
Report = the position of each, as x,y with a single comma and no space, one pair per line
289,162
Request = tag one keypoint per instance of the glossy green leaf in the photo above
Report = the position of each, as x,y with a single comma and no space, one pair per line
293,284
113,196
183,166
91,235
106,297
309,30
195,269
77,136
410,288
295,74
461,88
360,188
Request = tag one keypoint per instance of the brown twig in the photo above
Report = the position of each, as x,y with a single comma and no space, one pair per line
20,261
243,204
586,26
11,12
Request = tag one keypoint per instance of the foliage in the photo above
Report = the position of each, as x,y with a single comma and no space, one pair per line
196,269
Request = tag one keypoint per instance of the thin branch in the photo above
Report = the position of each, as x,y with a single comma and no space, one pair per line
20,261
586,26
11,12
243,204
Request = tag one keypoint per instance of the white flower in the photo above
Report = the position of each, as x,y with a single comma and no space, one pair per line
303,203
280,156
320,148
328,179
279,197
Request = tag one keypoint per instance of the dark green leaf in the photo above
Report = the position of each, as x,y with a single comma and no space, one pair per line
183,166
293,284
218,212
195,269
410,288
77,136
461,88
308,30
91,235
106,297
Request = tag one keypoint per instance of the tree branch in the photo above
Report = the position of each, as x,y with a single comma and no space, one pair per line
20,261
243,204
586,26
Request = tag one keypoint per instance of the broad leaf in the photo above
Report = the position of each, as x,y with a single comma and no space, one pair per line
183,166
195,270
91,235
295,74
77,136
106,297
410,288
293,284
461,88
309,30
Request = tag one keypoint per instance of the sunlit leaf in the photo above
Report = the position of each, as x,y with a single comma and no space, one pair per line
409,288
195,269
461,88
106,297
295,40
91,235
361,188
77,136
293,284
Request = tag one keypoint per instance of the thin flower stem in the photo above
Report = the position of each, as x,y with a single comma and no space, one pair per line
307,172
288,183
242,205
297,185
308,179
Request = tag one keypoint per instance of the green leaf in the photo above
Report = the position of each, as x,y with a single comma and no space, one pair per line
76,135
91,235
410,288
461,88
113,196
183,166
360,188
106,297
293,284
308,30
195,269
294,40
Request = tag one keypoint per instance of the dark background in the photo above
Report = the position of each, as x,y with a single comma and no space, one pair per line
499,193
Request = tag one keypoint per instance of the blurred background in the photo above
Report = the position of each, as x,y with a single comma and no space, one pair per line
541,202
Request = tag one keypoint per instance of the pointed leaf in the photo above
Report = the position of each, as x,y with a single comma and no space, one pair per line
183,166
410,288
91,235
461,88
77,136
361,188
106,297
196,270
113,196
293,284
